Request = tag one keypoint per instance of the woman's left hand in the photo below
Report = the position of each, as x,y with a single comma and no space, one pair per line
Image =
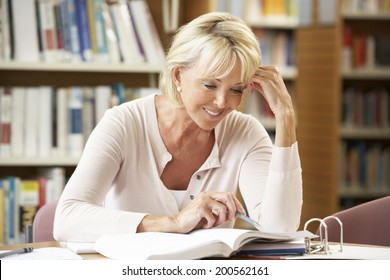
268,81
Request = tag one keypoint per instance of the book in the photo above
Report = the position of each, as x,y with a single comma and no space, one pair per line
199,244
31,119
48,30
114,53
5,121
97,30
83,30
17,121
45,121
146,28
5,22
295,247
24,30
120,15
75,110
28,204
71,22
2,212
62,121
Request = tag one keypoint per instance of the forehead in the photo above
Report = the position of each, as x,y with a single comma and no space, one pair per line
231,69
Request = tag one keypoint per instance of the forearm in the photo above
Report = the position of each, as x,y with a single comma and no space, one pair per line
157,224
285,131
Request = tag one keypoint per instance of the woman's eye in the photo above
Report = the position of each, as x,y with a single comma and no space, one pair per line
237,90
209,86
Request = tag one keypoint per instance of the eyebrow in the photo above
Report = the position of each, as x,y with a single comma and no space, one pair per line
237,84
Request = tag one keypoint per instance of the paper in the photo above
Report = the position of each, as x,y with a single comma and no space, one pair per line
80,247
351,252
48,253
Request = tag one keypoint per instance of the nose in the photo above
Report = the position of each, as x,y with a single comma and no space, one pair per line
221,99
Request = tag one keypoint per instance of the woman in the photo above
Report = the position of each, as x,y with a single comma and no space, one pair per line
172,162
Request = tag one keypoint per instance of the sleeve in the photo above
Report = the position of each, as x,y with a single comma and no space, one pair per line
79,215
271,186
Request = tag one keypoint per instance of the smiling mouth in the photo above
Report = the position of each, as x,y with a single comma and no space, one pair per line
212,113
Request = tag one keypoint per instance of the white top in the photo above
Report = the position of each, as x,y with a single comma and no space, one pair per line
117,181
179,197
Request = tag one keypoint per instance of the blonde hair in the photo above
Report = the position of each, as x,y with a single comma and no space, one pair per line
215,43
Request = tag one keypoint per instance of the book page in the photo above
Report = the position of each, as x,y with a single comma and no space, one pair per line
145,245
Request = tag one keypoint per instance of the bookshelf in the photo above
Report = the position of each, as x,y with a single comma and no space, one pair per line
325,138
24,73
275,29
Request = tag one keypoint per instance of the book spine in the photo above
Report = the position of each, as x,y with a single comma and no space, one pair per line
65,27
5,121
28,203
100,31
48,30
2,212
76,141
17,122
73,31
62,121
24,28
126,35
114,52
83,30
45,121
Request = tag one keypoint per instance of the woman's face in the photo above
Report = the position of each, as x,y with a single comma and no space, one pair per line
209,100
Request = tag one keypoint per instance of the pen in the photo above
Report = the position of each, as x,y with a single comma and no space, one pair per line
17,251
248,220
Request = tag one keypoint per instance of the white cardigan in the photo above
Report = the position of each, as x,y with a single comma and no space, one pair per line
117,181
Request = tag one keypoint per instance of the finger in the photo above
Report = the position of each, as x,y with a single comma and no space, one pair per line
210,219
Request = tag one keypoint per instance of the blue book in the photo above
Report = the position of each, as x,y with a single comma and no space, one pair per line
71,20
296,247
83,30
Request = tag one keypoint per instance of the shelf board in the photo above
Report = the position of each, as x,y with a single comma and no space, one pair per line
36,161
367,74
80,67
356,192
365,133
365,16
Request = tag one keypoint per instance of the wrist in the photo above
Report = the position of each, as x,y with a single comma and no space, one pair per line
158,224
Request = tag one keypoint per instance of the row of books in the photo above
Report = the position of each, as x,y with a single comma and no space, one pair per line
20,199
272,11
366,108
366,6
363,51
277,47
365,166
46,121
79,31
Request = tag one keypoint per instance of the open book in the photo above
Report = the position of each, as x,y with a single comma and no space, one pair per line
216,242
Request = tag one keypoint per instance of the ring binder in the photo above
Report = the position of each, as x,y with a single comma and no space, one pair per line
322,247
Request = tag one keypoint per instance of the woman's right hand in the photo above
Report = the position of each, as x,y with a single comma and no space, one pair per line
209,209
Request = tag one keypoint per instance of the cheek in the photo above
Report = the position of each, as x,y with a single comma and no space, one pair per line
235,101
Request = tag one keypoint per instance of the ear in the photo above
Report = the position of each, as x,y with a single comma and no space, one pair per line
176,76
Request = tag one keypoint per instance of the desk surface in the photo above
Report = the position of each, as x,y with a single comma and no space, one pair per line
351,251
94,256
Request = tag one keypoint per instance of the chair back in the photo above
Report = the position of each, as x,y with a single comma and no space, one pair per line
367,223
42,228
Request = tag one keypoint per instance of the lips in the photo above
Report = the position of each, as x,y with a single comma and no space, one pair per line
212,113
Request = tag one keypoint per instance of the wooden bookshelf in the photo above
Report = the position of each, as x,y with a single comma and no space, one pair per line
320,86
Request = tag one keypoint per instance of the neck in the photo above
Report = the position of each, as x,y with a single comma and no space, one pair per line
177,126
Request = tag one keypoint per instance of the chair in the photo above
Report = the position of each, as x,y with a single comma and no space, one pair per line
42,227
367,223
